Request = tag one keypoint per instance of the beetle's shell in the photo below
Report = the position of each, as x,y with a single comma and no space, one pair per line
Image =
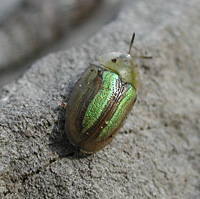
97,107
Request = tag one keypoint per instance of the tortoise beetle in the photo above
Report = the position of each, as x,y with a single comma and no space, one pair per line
101,100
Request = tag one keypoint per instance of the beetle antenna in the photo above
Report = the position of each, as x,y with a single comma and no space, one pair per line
143,57
129,52
131,44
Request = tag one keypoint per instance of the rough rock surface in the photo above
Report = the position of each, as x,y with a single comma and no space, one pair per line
36,24
155,155
35,28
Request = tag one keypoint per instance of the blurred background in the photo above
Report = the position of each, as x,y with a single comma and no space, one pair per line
31,29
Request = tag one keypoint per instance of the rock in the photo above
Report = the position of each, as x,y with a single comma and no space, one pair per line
155,154
7,7
35,28
38,23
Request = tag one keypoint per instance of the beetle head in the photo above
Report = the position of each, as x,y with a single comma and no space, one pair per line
123,64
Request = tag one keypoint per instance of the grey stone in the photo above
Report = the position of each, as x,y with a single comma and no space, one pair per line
36,28
157,152
37,23
7,7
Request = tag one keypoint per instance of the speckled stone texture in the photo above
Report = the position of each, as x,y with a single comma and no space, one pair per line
157,152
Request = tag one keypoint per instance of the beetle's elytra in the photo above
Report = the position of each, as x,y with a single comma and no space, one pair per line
101,100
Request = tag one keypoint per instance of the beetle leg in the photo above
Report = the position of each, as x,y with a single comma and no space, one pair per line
64,105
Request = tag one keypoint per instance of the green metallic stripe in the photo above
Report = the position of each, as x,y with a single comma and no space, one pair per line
84,103
108,112
118,115
80,97
86,92
99,102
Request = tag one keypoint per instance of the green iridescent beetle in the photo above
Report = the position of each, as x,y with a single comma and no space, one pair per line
101,100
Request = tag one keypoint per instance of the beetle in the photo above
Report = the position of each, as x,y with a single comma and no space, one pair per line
101,100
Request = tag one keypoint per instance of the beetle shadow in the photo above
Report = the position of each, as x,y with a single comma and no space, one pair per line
58,140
